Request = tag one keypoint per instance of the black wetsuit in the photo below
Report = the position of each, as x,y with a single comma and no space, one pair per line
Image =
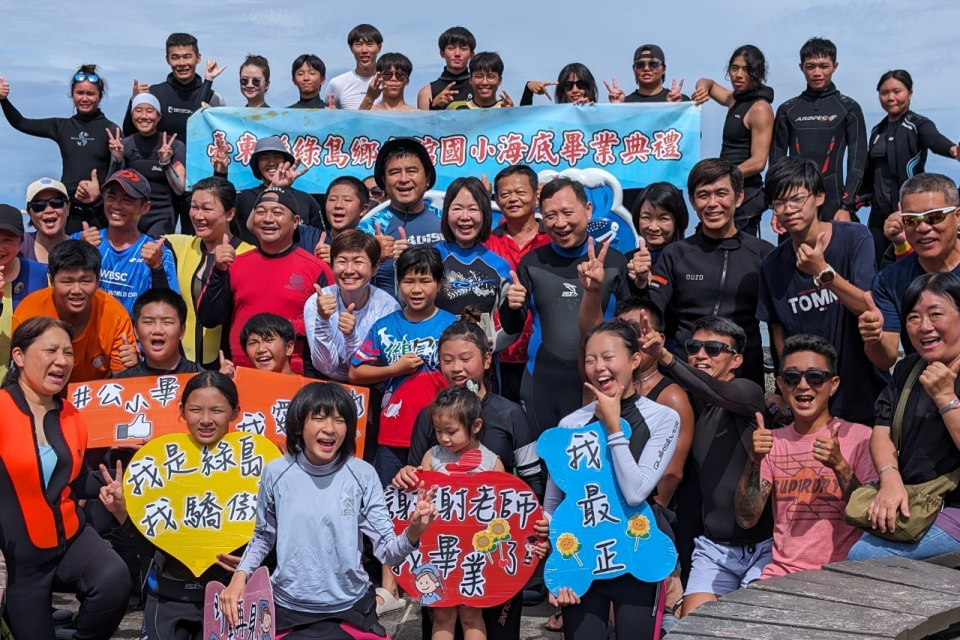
636,96
316,102
82,140
463,89
178,101
822,126
700,276
736,148
140,154
551,387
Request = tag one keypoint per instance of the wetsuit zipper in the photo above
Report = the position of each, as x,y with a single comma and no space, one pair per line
55,507
723,281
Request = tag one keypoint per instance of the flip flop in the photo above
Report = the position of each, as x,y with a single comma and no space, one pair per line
390,602
557,622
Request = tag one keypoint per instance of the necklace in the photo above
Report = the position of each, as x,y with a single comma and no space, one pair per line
643,379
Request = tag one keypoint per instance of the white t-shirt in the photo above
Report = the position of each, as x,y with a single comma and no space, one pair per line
348,90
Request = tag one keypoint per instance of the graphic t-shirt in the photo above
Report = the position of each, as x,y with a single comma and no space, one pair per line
479,278
124,274
809,528
789,298
32,277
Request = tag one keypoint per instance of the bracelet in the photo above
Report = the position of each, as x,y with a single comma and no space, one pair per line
901,249
887,468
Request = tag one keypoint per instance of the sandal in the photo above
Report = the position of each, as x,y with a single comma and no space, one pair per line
390,601
554,622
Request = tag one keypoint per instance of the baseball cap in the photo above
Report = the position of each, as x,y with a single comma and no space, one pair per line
649,51
42,185
270,143
131,181
283,196
11,219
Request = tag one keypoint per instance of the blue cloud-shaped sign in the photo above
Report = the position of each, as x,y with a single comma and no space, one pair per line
595,534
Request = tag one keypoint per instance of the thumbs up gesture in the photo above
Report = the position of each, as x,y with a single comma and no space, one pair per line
347,321
326,303
939,380
322,250
89,190
516,292
399,246
870,322
224,254
227,368
386,243
139,87
129,356
639,267
90,235
826,450
810,259
762,440
152,253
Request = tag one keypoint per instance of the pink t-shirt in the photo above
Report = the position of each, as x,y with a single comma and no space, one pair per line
809,529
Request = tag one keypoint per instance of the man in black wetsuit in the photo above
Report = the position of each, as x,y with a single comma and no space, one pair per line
309,74
716,271
456,48
822,124
547,282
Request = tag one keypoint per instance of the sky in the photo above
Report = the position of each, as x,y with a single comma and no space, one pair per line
43,43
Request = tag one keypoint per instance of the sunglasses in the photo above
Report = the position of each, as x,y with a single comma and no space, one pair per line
814,377
583,85
647,64
376,192
932,217
92,77
390,75
254,81
39,206
712,347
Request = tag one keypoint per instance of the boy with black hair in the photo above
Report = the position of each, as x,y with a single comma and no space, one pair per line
822,124
183,92
347,201
348,89
393,76
100,323
159,322
486,76
268,341
309,73
457,45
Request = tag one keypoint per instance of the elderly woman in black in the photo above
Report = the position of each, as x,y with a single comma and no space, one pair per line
43,533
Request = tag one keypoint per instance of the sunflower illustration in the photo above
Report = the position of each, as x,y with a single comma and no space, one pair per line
499,529
569,546
483,541
638,528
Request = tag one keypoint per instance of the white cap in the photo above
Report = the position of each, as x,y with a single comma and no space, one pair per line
146,98
42,185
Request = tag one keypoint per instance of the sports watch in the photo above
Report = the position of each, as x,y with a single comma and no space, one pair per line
824,277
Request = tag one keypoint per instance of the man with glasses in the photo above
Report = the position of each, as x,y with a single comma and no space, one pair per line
931,221
48,206
486,75
649,70
716,271
807,469
727,556
813,283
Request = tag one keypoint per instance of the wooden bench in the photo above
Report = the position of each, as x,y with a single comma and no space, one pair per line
883,599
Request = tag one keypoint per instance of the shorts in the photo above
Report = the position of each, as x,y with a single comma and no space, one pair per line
388,461
721,569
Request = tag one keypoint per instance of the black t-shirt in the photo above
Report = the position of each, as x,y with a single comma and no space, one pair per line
143,370
789,298
315,102
926,449
309,211
140,154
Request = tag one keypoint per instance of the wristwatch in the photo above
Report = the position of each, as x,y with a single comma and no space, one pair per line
824,277
950,406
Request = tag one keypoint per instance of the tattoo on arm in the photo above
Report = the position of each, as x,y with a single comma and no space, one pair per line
751,496
848,482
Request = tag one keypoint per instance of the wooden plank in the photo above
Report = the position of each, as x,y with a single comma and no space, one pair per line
703,626
950,560
789,602
915,574
858,621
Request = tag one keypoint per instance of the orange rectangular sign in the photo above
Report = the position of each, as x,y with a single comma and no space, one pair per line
132,411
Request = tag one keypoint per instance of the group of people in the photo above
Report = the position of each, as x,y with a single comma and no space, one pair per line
554,330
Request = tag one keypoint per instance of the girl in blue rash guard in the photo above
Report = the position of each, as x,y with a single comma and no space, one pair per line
316,493
474,276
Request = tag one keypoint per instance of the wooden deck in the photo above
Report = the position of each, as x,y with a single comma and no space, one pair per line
883,599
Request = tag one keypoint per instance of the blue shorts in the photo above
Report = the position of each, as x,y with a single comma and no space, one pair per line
721,569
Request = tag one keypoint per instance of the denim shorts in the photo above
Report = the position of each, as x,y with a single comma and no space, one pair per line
721,569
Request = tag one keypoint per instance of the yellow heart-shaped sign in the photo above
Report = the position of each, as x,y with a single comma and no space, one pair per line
194,501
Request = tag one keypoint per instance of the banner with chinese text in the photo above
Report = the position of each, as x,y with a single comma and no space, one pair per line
639,144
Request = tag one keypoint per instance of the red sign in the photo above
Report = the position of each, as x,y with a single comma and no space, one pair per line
257,615
480,549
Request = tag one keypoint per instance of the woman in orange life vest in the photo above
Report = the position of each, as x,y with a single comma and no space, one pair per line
43,533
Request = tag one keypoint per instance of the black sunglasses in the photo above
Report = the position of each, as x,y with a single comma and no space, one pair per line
647,64
39,206
92,77
814,377
712,347
583,85
245,81
390,75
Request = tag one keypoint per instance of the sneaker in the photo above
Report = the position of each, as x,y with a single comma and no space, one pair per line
62,616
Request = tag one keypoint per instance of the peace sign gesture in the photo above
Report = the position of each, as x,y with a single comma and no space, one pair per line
445,97
165,152
286,174
111,495
213,70
115,145
375,88
505,99
424,513
540,88
675,94
591,270
614,93
221,157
